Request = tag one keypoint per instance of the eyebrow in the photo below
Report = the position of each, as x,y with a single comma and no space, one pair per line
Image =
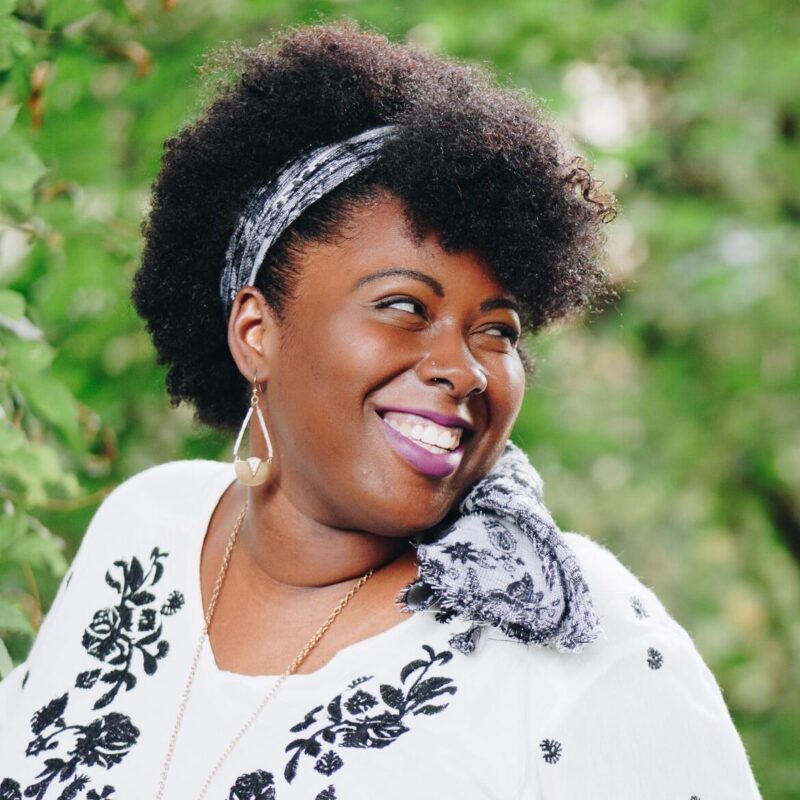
438,289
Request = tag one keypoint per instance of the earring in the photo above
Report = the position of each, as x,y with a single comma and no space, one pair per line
253,470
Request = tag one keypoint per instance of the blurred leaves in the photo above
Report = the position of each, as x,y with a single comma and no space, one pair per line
667,428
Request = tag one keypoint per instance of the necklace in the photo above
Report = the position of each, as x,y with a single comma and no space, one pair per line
301,656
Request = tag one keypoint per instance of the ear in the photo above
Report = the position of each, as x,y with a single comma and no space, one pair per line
253,334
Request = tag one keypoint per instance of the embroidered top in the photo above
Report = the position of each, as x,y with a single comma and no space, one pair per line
541,707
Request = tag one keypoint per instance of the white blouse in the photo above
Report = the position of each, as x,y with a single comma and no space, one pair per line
636,714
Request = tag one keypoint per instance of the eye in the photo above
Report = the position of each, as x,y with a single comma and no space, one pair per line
400,301
506,331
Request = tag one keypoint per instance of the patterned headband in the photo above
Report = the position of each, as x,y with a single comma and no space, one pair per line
272,208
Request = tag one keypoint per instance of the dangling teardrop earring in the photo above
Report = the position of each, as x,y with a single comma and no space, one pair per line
253,470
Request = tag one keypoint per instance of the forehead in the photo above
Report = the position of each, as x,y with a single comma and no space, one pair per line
377,236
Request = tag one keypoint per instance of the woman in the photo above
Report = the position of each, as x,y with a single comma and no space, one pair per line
342,254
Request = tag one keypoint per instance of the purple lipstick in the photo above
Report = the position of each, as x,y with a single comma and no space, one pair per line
434,465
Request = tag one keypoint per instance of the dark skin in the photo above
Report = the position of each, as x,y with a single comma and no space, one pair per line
340,501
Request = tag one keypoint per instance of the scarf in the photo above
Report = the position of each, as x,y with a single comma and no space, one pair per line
504,563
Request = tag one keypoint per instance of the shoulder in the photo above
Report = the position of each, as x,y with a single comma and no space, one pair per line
637,704
626,606
161,479
161,510
637,632
158,504
169,487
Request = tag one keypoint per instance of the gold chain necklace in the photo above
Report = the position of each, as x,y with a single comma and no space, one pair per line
204,634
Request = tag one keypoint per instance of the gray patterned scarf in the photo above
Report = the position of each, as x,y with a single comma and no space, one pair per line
272,208
504,563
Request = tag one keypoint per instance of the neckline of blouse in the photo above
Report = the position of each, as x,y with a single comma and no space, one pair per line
210,496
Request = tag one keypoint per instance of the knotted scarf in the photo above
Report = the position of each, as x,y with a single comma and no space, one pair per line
504,563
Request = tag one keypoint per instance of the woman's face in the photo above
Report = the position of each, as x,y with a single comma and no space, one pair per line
388,342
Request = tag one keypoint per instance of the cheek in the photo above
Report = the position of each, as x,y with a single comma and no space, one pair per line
506,375
506,389
358,355
326,372
516,383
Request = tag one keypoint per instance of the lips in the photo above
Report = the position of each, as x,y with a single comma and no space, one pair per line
426,433
433,465
448,420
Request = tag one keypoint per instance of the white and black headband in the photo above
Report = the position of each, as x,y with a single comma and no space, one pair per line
272,208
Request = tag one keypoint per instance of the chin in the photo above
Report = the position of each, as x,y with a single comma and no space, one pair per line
406,519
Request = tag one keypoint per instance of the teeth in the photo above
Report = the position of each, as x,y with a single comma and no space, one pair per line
430,435
432,448
444,440
433,437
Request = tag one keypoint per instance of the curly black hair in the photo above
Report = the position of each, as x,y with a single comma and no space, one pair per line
477,164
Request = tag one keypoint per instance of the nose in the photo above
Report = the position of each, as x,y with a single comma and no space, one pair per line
450,361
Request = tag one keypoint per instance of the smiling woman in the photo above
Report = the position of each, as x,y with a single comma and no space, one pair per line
344,252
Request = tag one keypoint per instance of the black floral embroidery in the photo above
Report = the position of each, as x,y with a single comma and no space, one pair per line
24,681
86,680
74,787
258,785
107,740
359,702
10,790
173,603
310,718
107,794
115,635
328,763
147,619
104,742
68,581
638,607
347,724
51,714
654,658
551,750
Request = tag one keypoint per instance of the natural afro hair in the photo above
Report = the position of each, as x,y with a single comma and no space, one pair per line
476,163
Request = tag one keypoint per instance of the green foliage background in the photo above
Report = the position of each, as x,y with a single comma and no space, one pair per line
666,428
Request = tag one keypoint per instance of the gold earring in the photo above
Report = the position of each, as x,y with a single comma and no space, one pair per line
253,470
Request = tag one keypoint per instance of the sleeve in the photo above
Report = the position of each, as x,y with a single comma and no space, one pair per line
12,685
67,610
651,722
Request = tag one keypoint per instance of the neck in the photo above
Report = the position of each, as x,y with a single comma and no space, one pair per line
285,551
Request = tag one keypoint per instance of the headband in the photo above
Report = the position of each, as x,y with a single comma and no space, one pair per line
272,208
